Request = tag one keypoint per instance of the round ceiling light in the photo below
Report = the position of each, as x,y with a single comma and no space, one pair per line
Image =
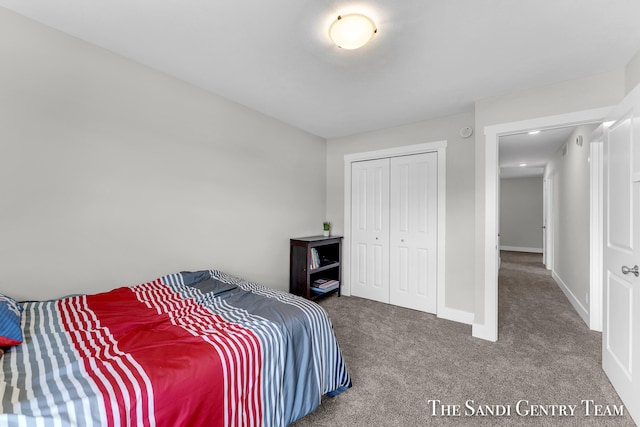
352,31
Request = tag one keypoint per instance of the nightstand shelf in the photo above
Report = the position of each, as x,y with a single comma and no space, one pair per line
302,259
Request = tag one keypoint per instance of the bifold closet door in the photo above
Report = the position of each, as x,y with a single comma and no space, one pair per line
370,229
394,208
413,231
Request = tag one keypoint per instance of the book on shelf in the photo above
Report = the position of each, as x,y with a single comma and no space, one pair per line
314,259
325,283
322,286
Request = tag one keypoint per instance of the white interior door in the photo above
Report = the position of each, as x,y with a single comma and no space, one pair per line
621,317
370,229
413,231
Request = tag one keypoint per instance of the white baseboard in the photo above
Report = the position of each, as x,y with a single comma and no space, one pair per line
521,249
456,315
578,307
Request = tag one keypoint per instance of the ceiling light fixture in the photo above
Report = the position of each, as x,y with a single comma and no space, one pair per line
352,31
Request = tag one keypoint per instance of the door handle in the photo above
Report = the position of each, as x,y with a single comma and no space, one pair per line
634,270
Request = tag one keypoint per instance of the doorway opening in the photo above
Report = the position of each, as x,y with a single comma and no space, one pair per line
545,197
488,329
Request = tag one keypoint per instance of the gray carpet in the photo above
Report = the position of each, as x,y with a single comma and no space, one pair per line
400,358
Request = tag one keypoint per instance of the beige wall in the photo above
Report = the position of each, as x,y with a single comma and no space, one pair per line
521,213
571,202
459,188
112,174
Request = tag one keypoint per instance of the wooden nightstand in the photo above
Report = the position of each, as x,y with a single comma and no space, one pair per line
313,260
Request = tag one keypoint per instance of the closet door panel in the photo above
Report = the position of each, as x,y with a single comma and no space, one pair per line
370,229
413,231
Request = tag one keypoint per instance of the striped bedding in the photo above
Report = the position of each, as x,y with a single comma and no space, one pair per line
189,349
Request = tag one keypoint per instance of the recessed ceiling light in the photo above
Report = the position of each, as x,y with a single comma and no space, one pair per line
352,31
534,132
523,165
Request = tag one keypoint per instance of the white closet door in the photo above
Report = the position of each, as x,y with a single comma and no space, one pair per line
413,231
370,229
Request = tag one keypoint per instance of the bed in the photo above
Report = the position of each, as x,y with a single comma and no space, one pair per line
187,349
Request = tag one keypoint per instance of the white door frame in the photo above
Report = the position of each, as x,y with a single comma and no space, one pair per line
549,218
545,218
596,224
489,329
440,148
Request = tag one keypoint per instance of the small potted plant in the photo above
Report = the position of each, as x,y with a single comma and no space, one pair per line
326,227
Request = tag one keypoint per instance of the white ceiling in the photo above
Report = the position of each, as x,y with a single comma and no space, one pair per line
430,58
534,150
